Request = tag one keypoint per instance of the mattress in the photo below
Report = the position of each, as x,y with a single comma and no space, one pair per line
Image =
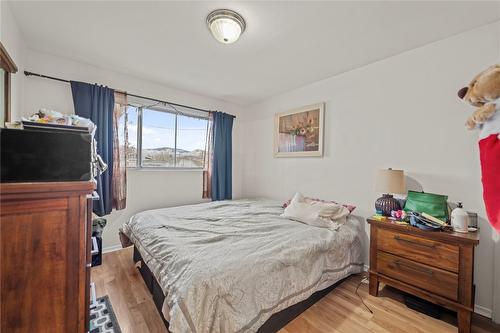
227,266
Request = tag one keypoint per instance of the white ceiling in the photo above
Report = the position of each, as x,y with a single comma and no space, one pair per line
286,44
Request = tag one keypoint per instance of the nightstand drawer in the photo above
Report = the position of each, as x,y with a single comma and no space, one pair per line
423,250
432,279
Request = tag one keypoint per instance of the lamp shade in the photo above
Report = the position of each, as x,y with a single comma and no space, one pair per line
390,181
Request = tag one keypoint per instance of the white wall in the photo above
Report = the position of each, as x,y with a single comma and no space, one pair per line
401,112
13,41
146,189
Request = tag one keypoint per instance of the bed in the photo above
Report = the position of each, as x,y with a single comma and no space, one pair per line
233,266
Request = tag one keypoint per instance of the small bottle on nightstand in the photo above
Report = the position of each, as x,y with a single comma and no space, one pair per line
460,219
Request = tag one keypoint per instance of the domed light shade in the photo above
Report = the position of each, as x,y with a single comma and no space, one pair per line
226,25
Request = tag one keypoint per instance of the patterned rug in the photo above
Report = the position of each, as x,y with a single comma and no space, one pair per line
102,317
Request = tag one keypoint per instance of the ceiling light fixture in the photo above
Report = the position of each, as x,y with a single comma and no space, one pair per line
226,25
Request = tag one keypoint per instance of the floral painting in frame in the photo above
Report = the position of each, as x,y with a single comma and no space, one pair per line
299,132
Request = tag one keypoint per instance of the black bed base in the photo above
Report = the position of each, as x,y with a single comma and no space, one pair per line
272,325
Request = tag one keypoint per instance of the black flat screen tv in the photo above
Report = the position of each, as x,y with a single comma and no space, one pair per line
44,156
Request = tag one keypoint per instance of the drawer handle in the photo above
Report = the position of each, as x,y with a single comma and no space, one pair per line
399,238
418,269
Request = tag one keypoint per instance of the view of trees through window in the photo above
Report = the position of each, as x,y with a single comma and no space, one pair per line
168,140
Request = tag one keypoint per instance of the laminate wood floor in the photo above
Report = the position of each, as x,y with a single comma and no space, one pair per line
341,311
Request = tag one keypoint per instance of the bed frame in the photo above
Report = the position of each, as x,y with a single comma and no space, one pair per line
272,325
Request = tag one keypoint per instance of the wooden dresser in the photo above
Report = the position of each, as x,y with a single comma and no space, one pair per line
436,266
44,252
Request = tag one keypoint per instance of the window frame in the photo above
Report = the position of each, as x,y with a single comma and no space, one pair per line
139,164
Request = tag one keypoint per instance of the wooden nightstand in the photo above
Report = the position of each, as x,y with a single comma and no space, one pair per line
436,266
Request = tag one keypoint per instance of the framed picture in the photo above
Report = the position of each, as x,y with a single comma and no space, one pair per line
299,132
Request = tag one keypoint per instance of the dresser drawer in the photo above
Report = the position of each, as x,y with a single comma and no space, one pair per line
435,280
423,250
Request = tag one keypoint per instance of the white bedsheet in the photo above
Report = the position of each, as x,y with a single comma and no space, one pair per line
227,266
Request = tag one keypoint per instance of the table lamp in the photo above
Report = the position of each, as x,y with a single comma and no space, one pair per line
389,181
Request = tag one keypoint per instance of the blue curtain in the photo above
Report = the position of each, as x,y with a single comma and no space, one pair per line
222,127
96,103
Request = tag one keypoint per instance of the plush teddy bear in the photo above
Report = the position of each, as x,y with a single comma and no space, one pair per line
484,93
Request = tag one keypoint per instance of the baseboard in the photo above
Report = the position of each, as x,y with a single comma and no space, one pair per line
480,310
111,248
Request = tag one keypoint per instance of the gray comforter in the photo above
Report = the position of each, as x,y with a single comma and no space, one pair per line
227,266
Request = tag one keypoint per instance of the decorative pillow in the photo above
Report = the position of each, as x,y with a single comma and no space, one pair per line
307,199
316,213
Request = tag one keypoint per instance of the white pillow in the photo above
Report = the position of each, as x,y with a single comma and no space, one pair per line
316,213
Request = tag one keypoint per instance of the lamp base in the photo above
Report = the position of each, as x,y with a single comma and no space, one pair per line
386,203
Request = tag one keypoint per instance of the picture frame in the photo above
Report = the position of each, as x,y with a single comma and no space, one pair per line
299,132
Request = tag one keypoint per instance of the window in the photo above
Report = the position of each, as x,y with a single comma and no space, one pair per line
191,140
127,127
160,137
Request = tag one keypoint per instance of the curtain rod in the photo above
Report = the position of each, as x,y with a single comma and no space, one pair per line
27,73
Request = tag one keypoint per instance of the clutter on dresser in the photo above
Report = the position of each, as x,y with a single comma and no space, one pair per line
51,121
423,210
419,215
420,221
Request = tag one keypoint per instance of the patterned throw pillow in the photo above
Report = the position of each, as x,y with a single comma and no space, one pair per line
349,207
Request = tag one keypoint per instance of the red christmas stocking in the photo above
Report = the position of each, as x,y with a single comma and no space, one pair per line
489,149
